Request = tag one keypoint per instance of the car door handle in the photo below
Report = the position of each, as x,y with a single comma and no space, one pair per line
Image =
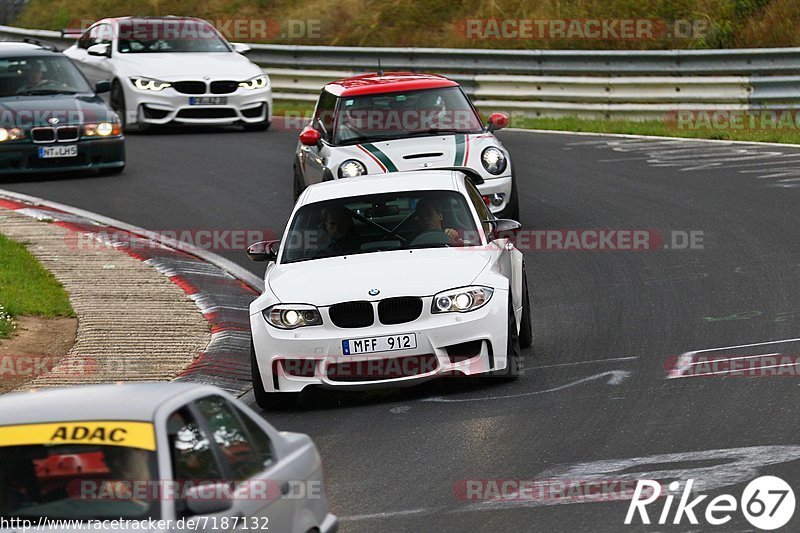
285,488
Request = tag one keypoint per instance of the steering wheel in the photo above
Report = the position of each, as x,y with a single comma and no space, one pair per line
431,237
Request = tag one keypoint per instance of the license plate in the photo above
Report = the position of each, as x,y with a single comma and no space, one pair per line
64,150
208,100
389,343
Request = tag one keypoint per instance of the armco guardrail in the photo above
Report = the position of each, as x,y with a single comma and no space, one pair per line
609,84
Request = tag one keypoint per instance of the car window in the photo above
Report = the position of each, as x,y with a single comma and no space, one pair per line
41,74
97,34
324,114
53,472
380,222
230,434
143,36
374,117
190,449
480,206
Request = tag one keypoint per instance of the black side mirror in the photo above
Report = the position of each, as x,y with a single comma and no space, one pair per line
102,87
263,251
99,50
503,228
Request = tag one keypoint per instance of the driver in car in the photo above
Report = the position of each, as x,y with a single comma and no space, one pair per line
33,77
429,217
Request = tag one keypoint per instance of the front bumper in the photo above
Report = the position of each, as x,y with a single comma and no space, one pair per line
93,154
243,106
500,185
322,346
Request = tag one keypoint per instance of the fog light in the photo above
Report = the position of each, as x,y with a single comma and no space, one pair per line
497,199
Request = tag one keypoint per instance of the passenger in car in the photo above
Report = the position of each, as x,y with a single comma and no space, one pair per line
338,224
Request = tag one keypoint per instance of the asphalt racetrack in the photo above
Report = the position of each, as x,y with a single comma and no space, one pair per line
595,403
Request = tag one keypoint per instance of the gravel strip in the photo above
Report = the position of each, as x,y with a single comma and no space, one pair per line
134,324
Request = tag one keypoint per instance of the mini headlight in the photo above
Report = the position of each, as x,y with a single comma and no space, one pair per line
148,84
292,316
352,168
11,134
461,300
493,160
259,82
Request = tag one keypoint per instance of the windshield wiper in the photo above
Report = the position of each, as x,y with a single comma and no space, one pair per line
364,139
41,92
435,131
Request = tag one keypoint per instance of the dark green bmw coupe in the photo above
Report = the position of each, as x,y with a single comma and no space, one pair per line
51,119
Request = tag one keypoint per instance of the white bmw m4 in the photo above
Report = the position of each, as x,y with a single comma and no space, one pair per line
388,280
173,70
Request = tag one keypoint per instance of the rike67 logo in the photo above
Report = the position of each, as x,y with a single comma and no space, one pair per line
767,503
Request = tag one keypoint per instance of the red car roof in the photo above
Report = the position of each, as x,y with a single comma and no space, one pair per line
390,82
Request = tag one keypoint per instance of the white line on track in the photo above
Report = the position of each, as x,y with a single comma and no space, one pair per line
583,362
686,360
615,377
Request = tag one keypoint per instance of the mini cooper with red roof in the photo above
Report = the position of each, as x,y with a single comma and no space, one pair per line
400,121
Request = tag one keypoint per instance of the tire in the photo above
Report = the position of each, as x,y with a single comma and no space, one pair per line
512,209
526,328
268,400
299,185
117,99
514,359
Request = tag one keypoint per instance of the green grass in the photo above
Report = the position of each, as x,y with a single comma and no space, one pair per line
654,127
729,23
26,288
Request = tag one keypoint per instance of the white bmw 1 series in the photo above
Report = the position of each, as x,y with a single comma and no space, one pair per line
173,70
388,280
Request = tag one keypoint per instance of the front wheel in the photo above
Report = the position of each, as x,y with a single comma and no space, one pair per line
268,400
526,329
513,358
299,185
119,106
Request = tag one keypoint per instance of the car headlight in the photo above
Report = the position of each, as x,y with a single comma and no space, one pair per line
352,168
292,316
101,129
493,160
259,82
461,300
149,84
11,134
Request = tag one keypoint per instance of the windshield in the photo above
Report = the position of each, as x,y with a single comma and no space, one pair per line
154,36
78,470
375,117
40,75
395,221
